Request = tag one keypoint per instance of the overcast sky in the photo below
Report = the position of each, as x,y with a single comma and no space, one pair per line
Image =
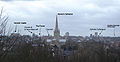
86,14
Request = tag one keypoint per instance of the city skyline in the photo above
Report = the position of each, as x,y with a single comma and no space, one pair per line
86,15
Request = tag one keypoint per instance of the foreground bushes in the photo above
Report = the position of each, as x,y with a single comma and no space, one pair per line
89,52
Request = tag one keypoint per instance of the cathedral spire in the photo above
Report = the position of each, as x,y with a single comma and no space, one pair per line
56,31
56,27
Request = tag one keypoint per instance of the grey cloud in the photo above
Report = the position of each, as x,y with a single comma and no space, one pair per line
20,0
104,12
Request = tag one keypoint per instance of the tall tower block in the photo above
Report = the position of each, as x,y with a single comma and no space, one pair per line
56,31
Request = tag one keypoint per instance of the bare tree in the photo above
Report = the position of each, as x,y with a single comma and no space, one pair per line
3,22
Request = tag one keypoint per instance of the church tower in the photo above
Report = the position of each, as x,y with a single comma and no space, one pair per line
56,31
